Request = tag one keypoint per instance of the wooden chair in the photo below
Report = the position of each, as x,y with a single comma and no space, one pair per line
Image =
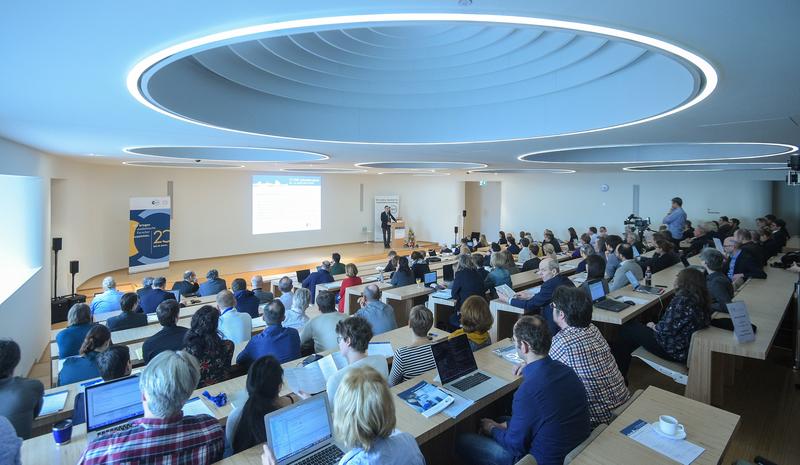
677,371
529,460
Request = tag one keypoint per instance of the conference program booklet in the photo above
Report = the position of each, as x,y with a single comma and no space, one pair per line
508,354
505,291
426,399
313,378
679,450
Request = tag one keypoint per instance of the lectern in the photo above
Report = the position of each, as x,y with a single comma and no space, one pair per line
398,233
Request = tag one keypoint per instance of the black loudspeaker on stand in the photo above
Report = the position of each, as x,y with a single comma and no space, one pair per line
59,306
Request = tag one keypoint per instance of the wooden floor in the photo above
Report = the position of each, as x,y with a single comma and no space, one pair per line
247,265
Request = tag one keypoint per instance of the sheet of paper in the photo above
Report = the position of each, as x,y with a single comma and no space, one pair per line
307,379
54,402
567,266
152,318
742,329
718,245
195,406
381,348
579,278
330,364
505,291
680,450
458,406
139,353
259,323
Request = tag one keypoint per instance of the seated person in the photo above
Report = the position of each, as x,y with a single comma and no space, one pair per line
246,301
402,276
612,259
689,311
188,287
703,237
321,276
584,251
170,337
509,264
769,245
108,301
245,426
466,281
720,288
286,286
11,445
502,239
213,285
747,244
499,274
164,435
632,239
391,265
417,358
234,325
595,269
550,413
114,362
128,318
203,341
276,340
524,253
478,260
354,334
585,239
741,264
512,248
337,267
533,262
476,321
264,297
624,255
580,346
69,339
20,398
321,330
549,238
663,258
296,315
493,249
419,266
379,315
147,284
535,303
84,366
148,301
352,279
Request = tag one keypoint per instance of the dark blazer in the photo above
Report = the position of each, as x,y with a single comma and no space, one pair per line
467,283
513,248
385,219
20,402
69,339
317,277
402,278
556,245
487,260
482,272
126,320
264,297
540,303
389,266
659,262
532,264
247,302
187,289
700,243
420,269
212,287
768,249
749,266
754,250
169,338
720,289
149,300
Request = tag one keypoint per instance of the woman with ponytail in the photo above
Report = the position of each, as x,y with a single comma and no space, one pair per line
84,366
203,340
245,427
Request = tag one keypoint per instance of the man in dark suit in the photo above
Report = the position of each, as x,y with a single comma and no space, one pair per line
703,237
246,301
538,303
171,335
213,285
746,243
386,217
719,286
150,300
129,318
264,297
321,276
741,264
188,286
147,284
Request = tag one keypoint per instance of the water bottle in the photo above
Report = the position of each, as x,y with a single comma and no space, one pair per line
648,277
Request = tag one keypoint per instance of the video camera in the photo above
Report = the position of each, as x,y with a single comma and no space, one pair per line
638,224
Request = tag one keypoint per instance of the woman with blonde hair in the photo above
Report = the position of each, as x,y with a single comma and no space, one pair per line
499,274
364,422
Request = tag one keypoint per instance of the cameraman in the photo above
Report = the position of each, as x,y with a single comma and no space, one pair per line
674,220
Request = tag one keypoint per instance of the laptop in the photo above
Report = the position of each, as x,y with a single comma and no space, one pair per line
597,292
112,406
302,275
636,253
447,273
430,278
639,288
459,372
177,294
303,433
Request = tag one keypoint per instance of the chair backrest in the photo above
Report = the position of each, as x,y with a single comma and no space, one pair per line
580,447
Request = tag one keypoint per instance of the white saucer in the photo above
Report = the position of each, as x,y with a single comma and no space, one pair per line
678,434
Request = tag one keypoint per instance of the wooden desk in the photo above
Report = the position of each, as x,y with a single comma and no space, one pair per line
706,426
354,292
402,299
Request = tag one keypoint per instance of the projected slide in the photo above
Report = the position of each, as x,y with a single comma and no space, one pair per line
286,203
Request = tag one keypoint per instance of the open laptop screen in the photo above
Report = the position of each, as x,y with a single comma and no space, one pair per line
447,272
430,278
177,294
632,279
113,402
302,275
453,358
596,290
299,428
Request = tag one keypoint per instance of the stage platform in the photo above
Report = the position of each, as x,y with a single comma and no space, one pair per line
247,265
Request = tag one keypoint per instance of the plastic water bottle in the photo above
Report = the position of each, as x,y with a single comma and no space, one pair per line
648,277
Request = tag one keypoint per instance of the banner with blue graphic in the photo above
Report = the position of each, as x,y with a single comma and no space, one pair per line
149,233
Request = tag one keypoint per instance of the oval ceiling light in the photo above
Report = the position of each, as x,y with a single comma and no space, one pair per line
222,153
323,170
659,153
431,175
419,171
688,167
421,78
521,171
181,164
421,165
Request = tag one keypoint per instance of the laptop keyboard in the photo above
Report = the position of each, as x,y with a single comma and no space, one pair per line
611,305
116,429
327,456
470,381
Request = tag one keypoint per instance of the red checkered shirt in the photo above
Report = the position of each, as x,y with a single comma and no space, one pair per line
587,352
178,440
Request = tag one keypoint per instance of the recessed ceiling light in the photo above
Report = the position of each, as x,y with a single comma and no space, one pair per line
227,153
522,171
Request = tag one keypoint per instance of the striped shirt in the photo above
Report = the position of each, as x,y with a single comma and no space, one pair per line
587,352
155,441
410,362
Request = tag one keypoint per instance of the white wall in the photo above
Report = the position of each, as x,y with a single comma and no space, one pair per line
483,207
536,202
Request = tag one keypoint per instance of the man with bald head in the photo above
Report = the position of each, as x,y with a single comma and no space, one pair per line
537,301
379,315
741,264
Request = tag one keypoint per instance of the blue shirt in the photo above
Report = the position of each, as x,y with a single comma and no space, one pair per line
379,315
317,277
247,302
675,221
550,414
612,263
282,343
108,301
732,264
398,449
69,339
79,369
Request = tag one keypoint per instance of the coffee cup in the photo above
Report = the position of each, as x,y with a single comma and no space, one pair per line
62,432
669,425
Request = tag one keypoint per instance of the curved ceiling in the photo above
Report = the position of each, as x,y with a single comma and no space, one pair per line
522,170
709,167
324,170
421,79
658,153
180,164
421,165
242,154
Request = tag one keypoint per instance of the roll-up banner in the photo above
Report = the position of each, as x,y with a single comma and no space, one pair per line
149,233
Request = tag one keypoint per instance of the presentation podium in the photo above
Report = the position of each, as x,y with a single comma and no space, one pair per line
399,233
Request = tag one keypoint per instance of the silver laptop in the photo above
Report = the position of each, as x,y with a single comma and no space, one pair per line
112,406
459,372
637,286
302,433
